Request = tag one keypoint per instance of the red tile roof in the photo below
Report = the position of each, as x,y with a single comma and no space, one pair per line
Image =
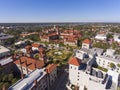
87,41
35,45
50,68
26,34
31,63
74,61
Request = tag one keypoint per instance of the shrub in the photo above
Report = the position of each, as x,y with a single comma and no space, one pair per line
112,65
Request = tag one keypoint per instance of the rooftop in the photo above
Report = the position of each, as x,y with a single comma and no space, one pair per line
5,61
3,49
88,51
35,45
87,41
30,62
28,81
115,58
5,36
50,68
74,61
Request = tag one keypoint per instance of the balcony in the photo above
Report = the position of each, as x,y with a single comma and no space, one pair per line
71,86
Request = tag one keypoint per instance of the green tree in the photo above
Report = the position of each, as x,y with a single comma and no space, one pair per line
6,84
114,45
118,65
101,45
14,80
109,36
5,78
112,65
33,37
1,84
10,77
36,56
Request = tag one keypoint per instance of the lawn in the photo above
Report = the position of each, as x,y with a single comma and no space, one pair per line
59,56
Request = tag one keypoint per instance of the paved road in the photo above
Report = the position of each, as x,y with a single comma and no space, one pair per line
61,82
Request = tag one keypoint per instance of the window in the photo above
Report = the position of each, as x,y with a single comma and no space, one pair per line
78,79
71,67
77,84
78,73
75,68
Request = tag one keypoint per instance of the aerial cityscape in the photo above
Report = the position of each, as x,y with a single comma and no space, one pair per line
59,45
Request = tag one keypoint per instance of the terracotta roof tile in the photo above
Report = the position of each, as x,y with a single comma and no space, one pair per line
74,61
87,41
35,45
50,68
31,63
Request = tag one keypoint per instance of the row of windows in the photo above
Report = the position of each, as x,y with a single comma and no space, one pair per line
74,67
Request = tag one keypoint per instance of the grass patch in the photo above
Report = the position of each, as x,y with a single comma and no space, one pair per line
56,58
103,69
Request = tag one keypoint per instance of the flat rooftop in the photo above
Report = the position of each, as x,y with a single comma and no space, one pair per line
116,58
88,51
3,49
6,61
5,36
28,81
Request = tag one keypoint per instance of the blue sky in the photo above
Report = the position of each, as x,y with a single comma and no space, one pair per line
59,10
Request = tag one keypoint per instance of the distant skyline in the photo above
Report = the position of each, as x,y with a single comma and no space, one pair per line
59,11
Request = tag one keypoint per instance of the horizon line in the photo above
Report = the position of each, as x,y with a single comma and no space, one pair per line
68,22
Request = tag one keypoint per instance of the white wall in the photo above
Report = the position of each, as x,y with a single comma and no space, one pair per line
85,45
106,63
73,73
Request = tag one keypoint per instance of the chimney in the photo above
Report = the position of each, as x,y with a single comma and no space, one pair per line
35,64
25,62
28,49
20,61
14,56
4,87
35,82
21,65
22,76
26,66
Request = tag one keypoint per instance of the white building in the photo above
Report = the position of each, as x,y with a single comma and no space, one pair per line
85,77
35,46
80,54
88,53
108,58
101,37
38,79
4,51
27,64
6,61
86,44
116,37
4,37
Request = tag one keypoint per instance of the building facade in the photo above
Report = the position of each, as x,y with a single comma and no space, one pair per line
38,79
